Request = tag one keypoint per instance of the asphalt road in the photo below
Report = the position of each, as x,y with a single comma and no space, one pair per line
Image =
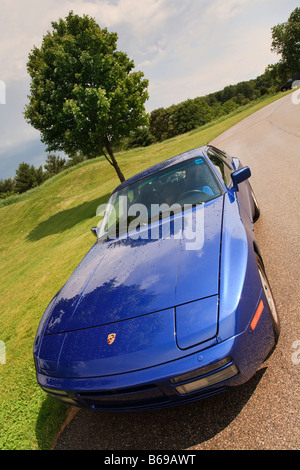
263,413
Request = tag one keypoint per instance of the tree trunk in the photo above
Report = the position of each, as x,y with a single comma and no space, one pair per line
113,161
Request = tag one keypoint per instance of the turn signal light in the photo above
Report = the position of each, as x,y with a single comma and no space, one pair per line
257,315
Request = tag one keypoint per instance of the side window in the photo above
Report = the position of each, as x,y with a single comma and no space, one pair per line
222,167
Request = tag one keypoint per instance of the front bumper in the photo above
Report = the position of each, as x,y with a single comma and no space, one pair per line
217,368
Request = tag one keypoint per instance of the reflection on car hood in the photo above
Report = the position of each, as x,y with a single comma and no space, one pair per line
126,278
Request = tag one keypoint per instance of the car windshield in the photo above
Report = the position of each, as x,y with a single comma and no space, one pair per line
166,192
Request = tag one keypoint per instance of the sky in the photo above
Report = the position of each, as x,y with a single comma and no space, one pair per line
185,48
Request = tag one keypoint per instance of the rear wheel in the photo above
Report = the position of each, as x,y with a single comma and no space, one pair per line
269,298
256,211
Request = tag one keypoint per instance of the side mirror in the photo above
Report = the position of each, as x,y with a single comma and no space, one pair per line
239,176
94,230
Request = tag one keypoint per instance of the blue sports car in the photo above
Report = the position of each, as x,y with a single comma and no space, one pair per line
172,303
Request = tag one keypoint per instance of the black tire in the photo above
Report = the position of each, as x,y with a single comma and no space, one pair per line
269,298
256,212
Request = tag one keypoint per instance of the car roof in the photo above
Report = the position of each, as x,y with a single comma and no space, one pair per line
199,151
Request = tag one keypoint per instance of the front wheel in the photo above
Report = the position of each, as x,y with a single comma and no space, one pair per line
269,298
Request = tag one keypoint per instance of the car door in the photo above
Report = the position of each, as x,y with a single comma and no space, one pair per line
224,168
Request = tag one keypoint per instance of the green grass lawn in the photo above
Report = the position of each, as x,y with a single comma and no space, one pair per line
44,235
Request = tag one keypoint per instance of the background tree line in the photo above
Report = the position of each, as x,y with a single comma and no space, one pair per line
163,123
28,177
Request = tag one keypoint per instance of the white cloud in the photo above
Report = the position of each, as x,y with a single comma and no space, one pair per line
221,10
224,10
154,53
142,16
23,24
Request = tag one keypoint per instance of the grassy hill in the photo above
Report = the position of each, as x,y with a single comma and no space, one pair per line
44,235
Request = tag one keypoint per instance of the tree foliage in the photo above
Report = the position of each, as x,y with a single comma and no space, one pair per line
141,137
7,187
28,177
286,42
54,164
165,123
85,95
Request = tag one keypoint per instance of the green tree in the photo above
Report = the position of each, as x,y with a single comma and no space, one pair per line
141,137
246,89
159,123
204,111
7,187
54,164
229,106
74,159
286,42
184,117
85,95
188,115
27,177
226,94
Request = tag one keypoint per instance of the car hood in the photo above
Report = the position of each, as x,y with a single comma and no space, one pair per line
130,345
126,278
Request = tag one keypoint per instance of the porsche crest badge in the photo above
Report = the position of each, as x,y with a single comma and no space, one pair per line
111,338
